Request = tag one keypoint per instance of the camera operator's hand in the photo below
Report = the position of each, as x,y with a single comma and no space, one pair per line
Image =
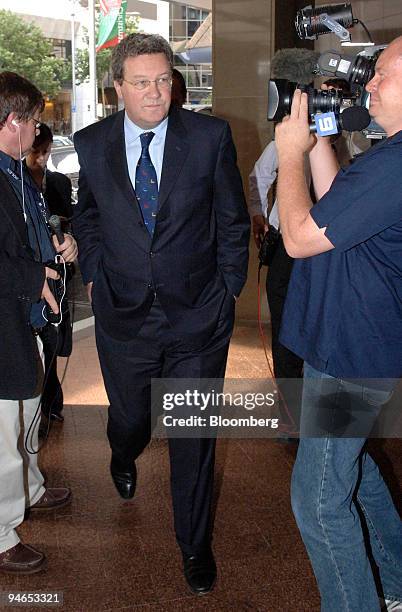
259,229
292,136
46,293
68,249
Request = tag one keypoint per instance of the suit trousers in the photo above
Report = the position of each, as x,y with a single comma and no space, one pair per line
127,369
21,481
287,365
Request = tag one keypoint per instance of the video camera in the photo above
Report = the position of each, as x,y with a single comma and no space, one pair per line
332,110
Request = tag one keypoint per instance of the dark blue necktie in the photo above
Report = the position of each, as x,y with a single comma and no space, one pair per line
146,184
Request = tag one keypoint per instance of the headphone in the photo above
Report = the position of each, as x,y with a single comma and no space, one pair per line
14,122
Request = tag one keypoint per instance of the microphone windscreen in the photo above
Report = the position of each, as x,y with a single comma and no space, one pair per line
298,65
54,222
355,118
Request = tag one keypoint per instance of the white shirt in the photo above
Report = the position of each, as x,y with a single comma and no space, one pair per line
133,146
261,180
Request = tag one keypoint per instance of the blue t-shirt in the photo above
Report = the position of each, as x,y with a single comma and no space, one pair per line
343,312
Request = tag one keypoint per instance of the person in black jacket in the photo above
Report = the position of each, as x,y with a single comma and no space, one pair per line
55,186
56,189
25,246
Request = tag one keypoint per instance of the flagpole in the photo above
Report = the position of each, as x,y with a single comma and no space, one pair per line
73,83
92,61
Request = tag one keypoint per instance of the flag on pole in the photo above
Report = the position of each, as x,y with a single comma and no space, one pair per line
112,23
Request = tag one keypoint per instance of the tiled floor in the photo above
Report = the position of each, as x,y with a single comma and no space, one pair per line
107,554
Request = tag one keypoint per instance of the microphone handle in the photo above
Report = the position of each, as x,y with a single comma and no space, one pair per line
59,235
55,226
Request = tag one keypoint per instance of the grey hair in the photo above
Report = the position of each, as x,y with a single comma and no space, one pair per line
138,44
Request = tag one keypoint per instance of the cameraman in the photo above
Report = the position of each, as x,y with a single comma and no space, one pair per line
343,316
25,244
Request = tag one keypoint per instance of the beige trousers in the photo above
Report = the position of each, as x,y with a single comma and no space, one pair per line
21,482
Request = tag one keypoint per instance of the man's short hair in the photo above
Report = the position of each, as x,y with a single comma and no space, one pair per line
19,96
45,136
181,83
138,44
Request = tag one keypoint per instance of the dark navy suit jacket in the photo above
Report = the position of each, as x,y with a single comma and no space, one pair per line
197,259
21,283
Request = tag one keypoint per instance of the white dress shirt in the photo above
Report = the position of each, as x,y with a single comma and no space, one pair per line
133,146
261,180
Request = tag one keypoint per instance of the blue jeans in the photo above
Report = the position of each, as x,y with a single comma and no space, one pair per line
337,488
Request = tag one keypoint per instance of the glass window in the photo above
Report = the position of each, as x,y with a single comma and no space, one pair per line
193,79
61,48
199,96
184,22
193,13
192,27
179,30
177,11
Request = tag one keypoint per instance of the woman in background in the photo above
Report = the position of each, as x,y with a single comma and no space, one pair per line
56,190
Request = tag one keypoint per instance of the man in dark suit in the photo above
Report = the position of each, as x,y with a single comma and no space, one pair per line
163,231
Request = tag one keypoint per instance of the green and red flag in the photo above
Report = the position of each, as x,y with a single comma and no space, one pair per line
112,23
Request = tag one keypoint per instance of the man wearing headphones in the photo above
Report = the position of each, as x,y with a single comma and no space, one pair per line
25,246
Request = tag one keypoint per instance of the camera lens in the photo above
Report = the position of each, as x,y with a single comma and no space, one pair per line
280,96
323,101
362,70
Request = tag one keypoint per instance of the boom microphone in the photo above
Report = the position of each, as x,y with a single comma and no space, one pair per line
55,226
298,65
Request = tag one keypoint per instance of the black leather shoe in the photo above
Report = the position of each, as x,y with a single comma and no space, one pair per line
124,478
200,572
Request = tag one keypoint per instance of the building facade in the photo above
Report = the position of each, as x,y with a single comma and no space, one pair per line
57,24
185,21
